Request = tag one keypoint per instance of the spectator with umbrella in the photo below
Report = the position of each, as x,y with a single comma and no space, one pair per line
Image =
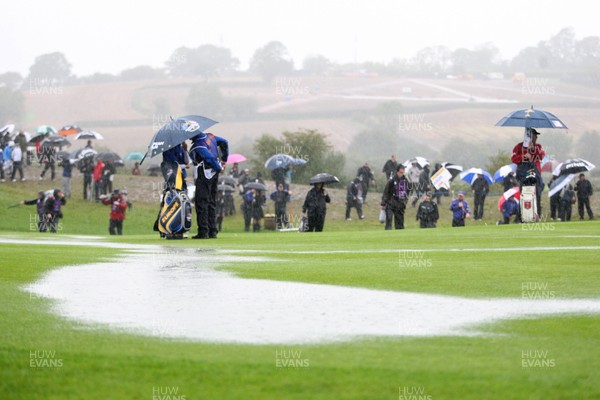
281,197
554,199
252,200
567,200
395,197
314,207
508,204
86,167
584,191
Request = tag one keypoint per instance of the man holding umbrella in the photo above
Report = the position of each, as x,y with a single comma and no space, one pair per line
527,155
315,207
205,155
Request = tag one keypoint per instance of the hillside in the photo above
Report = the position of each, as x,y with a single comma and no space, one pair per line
434,112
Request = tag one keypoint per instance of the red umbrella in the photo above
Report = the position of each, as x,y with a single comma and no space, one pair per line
506,195
235,158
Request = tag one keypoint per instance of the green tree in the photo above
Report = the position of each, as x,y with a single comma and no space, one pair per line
307,144
316,65
13,80
50,68
271,60
204,99
207,99
142,72
501,158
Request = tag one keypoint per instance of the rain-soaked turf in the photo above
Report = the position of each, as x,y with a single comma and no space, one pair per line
45,357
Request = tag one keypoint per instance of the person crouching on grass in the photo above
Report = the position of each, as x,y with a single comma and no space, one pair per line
460,210
118,204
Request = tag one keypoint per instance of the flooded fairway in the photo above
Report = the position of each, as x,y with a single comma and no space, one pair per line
180,293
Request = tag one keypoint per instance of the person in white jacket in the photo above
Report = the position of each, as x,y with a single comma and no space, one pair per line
16,155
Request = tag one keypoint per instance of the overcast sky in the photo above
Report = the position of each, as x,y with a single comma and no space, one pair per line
112,35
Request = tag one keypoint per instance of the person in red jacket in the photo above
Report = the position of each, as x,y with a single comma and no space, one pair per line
118,204
528,155
97,177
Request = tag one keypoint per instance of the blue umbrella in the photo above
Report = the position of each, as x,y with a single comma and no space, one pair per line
531,118
176,132
282,161
503,172
42,129
470,175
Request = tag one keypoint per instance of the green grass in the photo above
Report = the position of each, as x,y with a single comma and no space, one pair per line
99,364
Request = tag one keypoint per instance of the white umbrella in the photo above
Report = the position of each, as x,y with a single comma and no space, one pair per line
503,171
87,135
559,184
470,175
421,161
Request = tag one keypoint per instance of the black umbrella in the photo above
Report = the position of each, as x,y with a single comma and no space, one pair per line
225,188
573,166
37,138
176,132
110,157
228,180
255,185
323,178
454,169
56,141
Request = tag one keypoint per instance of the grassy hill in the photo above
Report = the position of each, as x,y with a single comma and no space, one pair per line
434,112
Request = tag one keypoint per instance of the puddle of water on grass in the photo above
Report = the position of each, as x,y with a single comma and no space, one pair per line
179,293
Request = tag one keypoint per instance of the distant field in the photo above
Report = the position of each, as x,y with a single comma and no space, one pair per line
127,114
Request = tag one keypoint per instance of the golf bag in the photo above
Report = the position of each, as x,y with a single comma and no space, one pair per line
175,216
528,202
